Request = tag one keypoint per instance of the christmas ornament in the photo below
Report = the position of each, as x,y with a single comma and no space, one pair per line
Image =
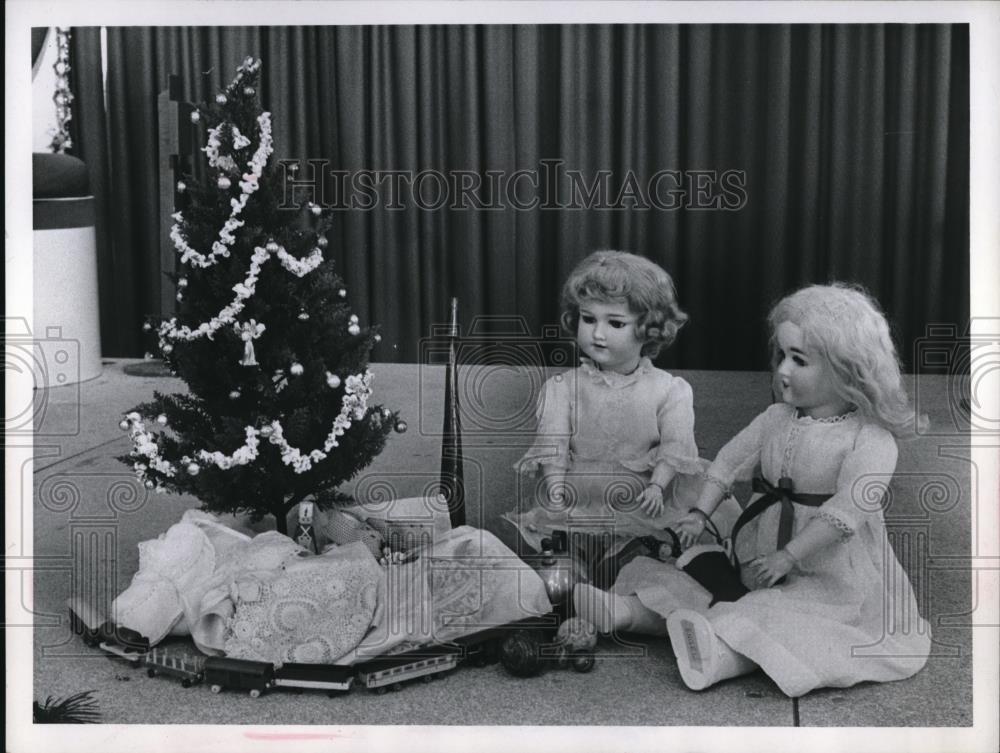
195,116
182,282
148,484
168,348
520,653
322,242
354,330
304,316
400,427
148,356
249,91
193,469
332,380
179,296
342,293
123,425
147,327
353,319
266,431
316,209
161,419
272,247
377,338
234,395
296,369
181,186
220,99
223,182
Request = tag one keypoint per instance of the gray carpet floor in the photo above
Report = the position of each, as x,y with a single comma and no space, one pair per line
89,515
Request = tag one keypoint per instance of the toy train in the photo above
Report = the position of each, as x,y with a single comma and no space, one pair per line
521,647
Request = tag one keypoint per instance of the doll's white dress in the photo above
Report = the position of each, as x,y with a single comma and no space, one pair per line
846,613
268,599
608,431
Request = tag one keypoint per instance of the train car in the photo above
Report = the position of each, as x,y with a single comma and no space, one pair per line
392,671
98,631
190,669
332,678
238,674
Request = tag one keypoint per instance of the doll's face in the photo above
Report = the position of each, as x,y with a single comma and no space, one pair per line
606,332
803,376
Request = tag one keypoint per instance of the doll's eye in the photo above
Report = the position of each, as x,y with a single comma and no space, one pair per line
616,323
586,318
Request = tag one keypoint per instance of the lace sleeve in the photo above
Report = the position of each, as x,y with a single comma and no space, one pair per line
551,445
740,455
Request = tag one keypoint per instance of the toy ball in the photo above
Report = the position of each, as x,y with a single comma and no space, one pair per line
577,634
519,654
401,427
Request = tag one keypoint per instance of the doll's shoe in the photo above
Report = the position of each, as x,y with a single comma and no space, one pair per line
605,611
703,659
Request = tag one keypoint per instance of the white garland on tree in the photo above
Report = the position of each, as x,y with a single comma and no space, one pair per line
353,407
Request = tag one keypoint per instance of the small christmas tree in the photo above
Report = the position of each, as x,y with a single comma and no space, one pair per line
276,363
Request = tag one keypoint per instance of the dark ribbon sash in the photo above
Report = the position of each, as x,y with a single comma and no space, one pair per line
782,494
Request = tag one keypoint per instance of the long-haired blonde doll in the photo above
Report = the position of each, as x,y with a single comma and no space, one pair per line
828,603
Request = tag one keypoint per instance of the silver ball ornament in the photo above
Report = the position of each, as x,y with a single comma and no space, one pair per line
249,91
342,293
221,99
322,242
266,431
181,186
333,381
304,316
401,427
123,425
147,327
182,282
195,116
223,182
377,338
193,469
234,395
296,369
149,484
272,247
353,319
354,330
168,348
316,209
161,419
179,296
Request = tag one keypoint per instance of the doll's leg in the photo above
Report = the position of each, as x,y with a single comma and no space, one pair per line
609,612
703,658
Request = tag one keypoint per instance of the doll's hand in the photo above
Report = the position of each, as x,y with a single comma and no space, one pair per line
690,528
651,500
771,568
390,557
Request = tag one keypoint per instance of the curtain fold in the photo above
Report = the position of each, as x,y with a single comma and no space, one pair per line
853,141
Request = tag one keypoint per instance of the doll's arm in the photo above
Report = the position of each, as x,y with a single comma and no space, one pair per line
742,452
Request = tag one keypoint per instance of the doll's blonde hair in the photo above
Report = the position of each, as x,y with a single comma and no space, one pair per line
621,277
845,326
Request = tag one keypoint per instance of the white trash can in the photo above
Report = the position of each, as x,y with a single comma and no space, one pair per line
66,324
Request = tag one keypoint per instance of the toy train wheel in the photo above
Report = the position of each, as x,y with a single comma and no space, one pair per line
186,683
397,686
519,653
150,672
254,693
216,688
381,690
583,662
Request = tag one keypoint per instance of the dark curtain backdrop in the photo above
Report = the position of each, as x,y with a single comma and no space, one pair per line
853,139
